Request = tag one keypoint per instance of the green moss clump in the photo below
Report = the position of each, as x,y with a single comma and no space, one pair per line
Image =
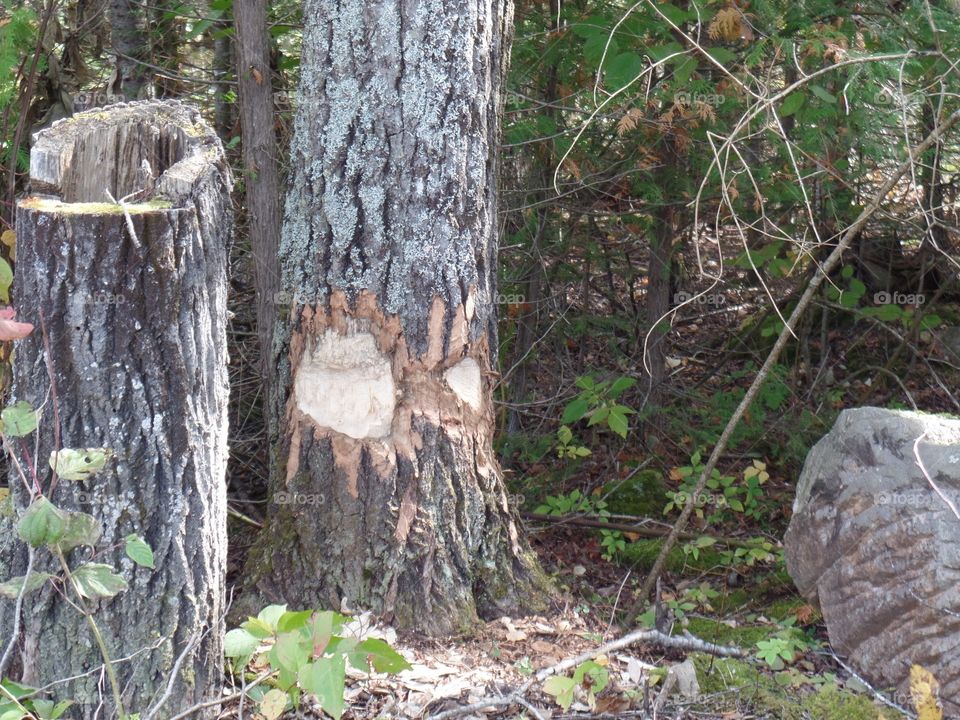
643,553
768,698
643,495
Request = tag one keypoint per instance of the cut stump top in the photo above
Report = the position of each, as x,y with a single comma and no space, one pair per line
149,150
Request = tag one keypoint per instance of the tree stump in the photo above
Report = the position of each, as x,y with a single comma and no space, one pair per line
133,300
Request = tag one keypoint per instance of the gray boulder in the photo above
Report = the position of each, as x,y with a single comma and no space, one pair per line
878,549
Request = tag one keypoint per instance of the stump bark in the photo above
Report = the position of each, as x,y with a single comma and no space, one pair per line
133,299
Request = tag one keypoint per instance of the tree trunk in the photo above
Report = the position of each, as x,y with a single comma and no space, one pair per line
261,177
129,41
136,328
385,491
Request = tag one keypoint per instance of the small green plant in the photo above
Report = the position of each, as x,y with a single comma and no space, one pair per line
572,502
597,401
784,647
612,542
752,551
590,676
567,448
741,497
306,651
45,526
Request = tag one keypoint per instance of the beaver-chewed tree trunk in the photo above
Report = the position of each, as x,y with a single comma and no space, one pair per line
134,306
386,493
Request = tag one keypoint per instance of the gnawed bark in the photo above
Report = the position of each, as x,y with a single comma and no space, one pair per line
386,493
136,326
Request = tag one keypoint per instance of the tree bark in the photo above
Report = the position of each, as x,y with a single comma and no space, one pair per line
129,41
261,179
136,330
386,493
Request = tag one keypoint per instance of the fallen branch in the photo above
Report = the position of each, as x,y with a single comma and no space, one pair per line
788,331
688,642
593,521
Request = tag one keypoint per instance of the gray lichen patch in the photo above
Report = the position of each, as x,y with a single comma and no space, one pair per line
466,381
345,383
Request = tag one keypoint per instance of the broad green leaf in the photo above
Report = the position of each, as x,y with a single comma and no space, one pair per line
79,464
80,529
6,280
325,678
618,423
9,711
823,94
96,580
11,588
19,419
42,524
575,410
271,614
564,434
293,620
258,628
621,384
929,322
561,688
722,55
273,704
240,645
621,70
381,656
684,70
793,102
290,652
139,551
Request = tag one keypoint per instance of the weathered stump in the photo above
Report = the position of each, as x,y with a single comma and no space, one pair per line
133,299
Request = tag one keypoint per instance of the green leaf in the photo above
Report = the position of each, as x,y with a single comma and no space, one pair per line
598,415
621,70
793,102
19,419
6,280
11,588
290,652
48,710
96,580
722,55
562,689
139,551
271,614
929,322
381,656
293,620
325,679
240,645
621,384
575,410
684,70
564,435
79,464
258,628
823,94
80,529
618,423
42,524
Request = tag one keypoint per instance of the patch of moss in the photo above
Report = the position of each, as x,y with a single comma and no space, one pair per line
643,495
643,553
768,698
744,636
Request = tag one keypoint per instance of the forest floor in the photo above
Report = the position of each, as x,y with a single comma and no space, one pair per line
725,584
